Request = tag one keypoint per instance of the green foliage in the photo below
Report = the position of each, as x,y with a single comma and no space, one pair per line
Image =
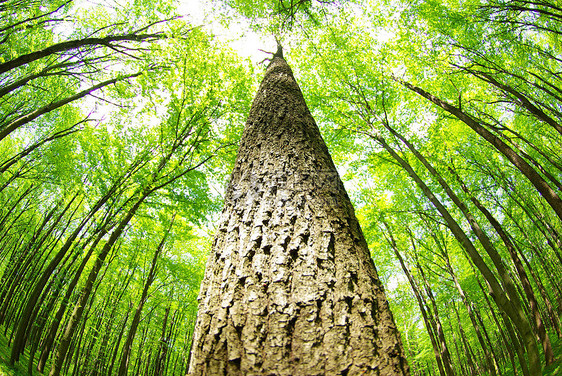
173,128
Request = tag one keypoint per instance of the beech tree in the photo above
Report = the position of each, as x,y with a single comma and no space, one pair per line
290,287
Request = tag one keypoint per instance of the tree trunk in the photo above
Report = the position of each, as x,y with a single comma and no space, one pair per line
514,346
76,315
49,339
27,315
553,317
523,278
439,332
118,341
489,248
422,304
124,363
466,346
161,354
501,298
534,177
490,360
290,287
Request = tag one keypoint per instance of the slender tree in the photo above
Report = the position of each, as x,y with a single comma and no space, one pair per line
444,366
125,357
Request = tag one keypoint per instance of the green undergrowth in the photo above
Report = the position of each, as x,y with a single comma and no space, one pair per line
555,369
20,369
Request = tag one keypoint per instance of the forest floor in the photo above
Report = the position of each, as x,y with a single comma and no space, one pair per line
20,369
555,369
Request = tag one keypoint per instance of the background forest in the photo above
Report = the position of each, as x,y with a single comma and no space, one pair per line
119,124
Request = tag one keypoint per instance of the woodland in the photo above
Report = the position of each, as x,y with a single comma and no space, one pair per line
119,127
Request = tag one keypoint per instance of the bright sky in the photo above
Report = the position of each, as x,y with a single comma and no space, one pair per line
238,35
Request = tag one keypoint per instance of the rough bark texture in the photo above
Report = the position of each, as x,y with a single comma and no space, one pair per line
290,287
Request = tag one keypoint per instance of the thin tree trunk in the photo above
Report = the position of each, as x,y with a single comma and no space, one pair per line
124,364
534,177
514,345
554,319
27,315
79,307
53,329
443,348
491,250
422,304
496,291
161,354
467,350
533,304
118,342
492,363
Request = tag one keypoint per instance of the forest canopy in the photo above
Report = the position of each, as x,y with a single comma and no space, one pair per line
119,126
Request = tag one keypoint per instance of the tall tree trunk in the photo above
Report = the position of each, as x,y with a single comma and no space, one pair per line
118,341
473,313
508,283
492,362
124,363
27,315
76,315
514,346
553,317
529,293
440,334
467,350
495,289
161,354
290,286
422,304
534,177
53,328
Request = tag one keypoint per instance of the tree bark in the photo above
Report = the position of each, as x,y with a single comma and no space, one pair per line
290,287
